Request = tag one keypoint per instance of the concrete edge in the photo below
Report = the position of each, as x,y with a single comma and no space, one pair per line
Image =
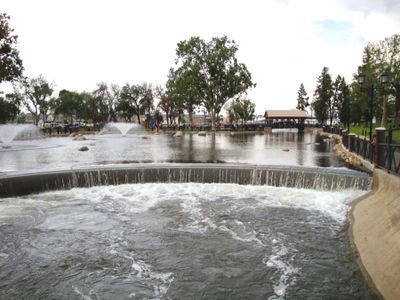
375,232
351,217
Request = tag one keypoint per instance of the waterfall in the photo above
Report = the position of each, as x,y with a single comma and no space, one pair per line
294,177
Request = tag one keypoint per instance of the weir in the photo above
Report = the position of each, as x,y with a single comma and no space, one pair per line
18,184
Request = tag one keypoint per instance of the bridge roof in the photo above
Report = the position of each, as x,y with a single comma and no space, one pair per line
286,114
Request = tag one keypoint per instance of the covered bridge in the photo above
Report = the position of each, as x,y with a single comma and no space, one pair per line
286,118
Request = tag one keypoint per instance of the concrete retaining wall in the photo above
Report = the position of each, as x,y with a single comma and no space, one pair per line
376,234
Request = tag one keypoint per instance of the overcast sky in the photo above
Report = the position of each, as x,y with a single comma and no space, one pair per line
77,43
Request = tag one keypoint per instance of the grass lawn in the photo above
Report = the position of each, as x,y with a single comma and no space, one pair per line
364,130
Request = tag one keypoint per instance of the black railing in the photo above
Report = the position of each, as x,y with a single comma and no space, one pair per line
385,154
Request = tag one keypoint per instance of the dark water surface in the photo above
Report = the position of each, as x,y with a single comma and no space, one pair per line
179,241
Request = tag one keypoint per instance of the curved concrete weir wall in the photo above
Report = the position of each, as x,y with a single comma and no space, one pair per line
299,177
376,233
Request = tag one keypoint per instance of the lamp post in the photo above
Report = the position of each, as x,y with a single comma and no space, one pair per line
348,115
361,80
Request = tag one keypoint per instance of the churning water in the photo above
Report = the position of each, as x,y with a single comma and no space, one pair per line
179,241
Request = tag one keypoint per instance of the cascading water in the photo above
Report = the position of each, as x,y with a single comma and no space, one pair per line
122,127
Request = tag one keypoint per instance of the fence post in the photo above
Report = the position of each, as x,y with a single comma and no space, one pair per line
379,157
344,138
352,139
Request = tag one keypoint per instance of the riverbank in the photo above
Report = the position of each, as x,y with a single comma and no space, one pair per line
376,234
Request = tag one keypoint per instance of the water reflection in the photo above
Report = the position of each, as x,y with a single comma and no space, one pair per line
300,149
277,148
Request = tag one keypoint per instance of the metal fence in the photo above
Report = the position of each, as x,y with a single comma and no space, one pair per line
383,152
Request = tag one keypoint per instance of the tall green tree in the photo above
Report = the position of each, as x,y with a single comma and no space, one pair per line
9,108
218,76
342,97
68,104
322,104
336,98
94,108
35,94
128,103
146,99
106,98
302,99
241,110
387,61
10,63
233,109
366,92
181,89
165,103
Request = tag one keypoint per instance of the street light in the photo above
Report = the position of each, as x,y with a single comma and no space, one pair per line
384,78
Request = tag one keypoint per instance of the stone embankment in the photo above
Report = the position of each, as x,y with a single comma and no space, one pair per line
351,159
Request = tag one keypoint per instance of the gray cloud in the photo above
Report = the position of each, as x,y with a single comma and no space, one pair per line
371,6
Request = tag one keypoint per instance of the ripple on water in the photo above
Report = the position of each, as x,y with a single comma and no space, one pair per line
178,241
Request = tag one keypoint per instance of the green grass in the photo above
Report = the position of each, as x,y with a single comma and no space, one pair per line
364,131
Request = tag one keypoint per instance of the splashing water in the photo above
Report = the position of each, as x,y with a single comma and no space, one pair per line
179,241
9,132
123,128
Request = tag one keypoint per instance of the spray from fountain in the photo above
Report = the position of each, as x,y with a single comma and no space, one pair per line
10,132
123,128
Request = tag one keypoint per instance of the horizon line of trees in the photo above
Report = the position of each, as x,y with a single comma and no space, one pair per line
206,75
352,103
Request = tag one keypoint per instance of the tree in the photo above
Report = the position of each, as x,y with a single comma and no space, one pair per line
343,100
106,98
35,93
94,108
68,104
128,104
335,103
323,97
241,110
146,98
388,62
8,110
302,99
10,63
165,102
181,88
216,74
233,109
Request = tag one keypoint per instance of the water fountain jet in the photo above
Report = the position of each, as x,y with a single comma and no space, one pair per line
122,127
9,132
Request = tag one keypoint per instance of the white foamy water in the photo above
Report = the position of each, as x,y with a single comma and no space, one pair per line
128,219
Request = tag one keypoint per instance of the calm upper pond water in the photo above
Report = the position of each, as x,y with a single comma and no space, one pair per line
278,148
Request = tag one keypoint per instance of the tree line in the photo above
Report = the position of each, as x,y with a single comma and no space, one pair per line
206,75
357,102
